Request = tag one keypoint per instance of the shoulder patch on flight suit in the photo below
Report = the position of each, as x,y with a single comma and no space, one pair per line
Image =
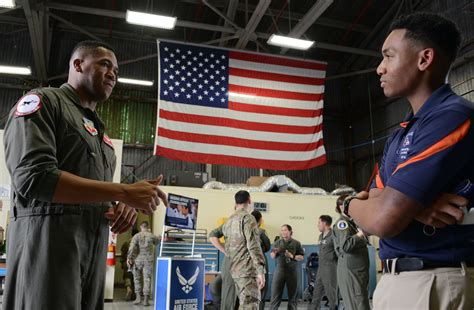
89,126
342,225
108,141
28,104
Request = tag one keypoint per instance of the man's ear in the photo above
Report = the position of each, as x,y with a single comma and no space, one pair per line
425,58
77,63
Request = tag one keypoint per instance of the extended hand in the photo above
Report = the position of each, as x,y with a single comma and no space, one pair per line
121,218
444,211
145,195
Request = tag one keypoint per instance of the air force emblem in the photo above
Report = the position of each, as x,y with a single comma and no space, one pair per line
187,284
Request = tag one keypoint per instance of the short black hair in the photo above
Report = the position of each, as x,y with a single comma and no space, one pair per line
432,30
340,202
257,215
288,226
326,219
145,223
242,197
91,45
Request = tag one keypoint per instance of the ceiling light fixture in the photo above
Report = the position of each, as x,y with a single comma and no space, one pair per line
135,82
7,3
15,70
150,20
289,42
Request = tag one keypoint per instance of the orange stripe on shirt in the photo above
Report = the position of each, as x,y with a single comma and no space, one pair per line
454,137
378,181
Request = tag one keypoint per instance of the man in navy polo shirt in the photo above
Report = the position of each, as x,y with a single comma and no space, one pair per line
427,243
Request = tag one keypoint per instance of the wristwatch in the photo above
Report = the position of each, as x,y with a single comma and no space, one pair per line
345,205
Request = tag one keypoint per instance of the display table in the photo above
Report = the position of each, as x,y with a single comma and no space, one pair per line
179,283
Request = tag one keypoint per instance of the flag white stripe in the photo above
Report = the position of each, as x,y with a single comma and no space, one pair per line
277,102
249,65
267,84
241,116
239,133
238,151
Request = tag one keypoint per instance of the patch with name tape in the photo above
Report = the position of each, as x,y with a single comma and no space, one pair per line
342,225
89,126
108,141
28,104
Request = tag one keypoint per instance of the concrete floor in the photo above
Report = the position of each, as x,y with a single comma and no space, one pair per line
120,303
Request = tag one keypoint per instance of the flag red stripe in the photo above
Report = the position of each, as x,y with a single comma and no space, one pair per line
255,108
263,92
275,77
239,161
238,142
227,122
280,61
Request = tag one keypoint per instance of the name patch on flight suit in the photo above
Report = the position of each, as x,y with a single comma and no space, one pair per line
28,104
342,225
108,141
89,125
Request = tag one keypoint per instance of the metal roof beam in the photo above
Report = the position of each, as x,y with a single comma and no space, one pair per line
308,20
38,39
231,10
249,31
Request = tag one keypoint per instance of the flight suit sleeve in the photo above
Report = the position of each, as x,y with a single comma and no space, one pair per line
30,150
251,234
133,249
345,240
217,232
264,241
299,249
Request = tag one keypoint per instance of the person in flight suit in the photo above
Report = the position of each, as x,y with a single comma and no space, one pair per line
426,172
228,297
287,252
350,245
247,265
140,257
326,278
61,164
265,244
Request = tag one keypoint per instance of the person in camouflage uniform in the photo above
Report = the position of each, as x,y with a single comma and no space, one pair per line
242,246
350,245
140,256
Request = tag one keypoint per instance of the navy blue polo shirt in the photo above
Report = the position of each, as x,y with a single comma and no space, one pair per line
432,153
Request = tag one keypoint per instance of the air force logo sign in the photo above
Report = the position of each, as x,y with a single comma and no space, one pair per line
187,284
28,104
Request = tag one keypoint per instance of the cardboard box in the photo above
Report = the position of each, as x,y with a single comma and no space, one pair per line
256,181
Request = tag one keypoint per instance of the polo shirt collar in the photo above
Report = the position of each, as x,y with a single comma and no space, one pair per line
436,97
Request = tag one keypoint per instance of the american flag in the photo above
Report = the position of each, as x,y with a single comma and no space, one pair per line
219,106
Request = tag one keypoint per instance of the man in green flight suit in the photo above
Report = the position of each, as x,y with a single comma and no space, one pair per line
350,245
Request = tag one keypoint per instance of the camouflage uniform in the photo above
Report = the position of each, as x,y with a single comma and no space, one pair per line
228,296
245,255
142,254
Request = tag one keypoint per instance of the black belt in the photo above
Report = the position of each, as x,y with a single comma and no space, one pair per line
413,264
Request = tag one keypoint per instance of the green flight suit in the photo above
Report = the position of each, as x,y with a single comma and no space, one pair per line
352,265
56,252
286,273
326,278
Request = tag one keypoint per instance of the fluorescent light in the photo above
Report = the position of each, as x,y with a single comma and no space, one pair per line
151,20
135,82
290,42
7,3
15,70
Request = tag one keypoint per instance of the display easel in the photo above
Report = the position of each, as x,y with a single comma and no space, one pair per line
163,238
